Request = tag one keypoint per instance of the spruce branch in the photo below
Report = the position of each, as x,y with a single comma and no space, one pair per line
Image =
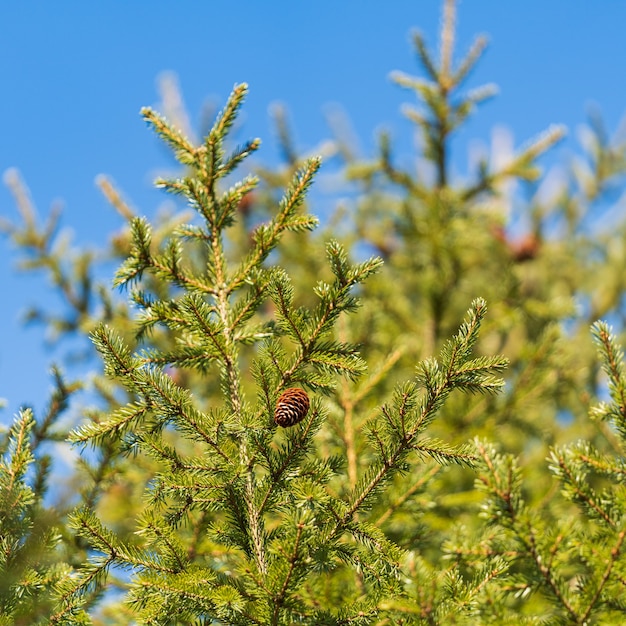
31,543
308,329
447,38
471,58
113,195
118,421
288,456
424,56
615,554
44,248
572,470
17,457
237,156
521,166
226,117
612,357
183,148
507,508
167,402
267,236
397,433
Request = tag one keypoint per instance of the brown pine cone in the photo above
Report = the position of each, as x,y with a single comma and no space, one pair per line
291,407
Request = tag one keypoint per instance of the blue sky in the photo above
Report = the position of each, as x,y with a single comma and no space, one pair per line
75,74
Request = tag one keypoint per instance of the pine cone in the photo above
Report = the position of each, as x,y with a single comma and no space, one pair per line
291,407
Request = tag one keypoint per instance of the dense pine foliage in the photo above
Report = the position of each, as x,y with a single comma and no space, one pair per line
411,414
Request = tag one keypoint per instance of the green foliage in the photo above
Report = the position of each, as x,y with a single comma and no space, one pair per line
191,506
33,543
571,564
227,482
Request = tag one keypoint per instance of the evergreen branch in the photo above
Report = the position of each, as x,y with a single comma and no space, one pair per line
281,292
166,266
18,457
231,373
337,358
279,598
253,334
334,299
389,462
196,310
191,231
580,491
114,197
267,236
406,495
158,389
210,166
235,159
424,56
609,466
288,456
444,454
367,385
226,117
199,193
615,554
70,597
184,150
170,313
192,356
72,591
163,535
179,277
186,595
232,198
466,337
521,165
505,486
245,308
447,42
471,58
103,540
613,364
139,258
118,361
119,421
406,420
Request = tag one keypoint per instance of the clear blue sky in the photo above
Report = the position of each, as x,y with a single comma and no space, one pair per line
75,74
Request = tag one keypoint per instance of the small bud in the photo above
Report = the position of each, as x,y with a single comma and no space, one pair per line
291,407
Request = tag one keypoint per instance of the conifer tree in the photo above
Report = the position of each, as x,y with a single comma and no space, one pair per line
242,522
278,436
